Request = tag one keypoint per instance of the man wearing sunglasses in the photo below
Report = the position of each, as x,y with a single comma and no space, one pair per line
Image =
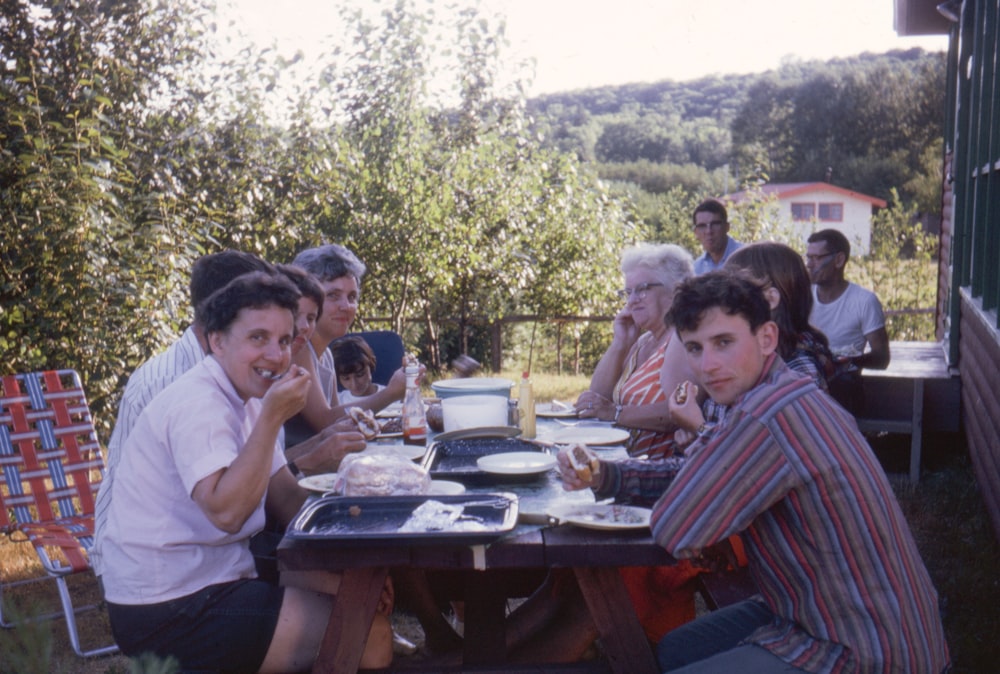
711,226
850,316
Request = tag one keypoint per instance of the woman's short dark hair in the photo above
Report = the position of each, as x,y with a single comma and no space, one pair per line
256,290
732,292
306,283
211,272
351,354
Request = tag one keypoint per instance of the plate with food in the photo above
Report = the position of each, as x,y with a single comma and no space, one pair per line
555,410
603,517
391,427
588,435
516,463
322,483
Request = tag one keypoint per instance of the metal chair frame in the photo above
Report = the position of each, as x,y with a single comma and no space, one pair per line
51,465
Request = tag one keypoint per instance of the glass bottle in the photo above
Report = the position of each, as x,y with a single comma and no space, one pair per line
414,415
526,407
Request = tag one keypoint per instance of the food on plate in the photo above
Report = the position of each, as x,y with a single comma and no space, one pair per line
365,421
381,474
393,425
584,461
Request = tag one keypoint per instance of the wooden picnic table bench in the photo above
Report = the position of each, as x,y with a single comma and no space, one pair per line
916,392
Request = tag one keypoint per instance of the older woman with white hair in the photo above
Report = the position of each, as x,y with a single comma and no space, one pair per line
626,387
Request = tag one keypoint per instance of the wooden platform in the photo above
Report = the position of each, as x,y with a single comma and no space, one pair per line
916,393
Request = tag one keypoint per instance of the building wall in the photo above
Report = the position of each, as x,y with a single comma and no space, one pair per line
856,225
979,366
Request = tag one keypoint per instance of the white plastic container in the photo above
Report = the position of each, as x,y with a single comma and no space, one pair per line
451,388
475,411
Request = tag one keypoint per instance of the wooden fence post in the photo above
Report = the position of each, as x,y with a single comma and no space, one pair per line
496,345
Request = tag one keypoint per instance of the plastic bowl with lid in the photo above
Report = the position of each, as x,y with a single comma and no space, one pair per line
452,388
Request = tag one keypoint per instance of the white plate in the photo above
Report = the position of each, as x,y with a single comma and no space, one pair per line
411,452
323,483
589,435
553,411
516,463
392,410
604,517
446,488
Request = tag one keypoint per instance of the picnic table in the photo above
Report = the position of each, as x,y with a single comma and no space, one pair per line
593,557
918,383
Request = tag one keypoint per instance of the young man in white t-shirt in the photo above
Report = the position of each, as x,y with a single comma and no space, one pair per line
850,316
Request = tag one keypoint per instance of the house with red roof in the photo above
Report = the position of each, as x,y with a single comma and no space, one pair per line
807,207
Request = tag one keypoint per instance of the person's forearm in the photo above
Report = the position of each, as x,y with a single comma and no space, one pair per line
872,360
309,457
652,417
635,481
230,496
609,368
375,402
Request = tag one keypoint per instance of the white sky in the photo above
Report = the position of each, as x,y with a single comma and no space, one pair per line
583,43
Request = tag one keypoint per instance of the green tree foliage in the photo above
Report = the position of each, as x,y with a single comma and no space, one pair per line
460,216
901,249
85,237
867,123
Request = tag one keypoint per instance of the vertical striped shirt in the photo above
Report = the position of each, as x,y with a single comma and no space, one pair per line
639,384
146,382
827,543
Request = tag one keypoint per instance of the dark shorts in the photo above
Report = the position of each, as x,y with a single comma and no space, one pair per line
221,628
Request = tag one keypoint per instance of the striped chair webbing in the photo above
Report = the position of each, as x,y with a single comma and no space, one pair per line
49,454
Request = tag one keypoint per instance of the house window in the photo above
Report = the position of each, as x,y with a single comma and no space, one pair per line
803,211
831,212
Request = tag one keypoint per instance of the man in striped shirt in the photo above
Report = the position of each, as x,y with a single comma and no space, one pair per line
842,585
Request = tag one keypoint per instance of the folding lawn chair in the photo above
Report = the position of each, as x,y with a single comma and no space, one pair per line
50,468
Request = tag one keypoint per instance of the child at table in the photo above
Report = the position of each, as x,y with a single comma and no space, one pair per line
354,362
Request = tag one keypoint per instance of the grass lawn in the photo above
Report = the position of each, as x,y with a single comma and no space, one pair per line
944,510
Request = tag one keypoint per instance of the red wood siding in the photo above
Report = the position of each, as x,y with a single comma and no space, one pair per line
979,364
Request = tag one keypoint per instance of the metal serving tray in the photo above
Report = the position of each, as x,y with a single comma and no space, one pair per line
367,519
456,459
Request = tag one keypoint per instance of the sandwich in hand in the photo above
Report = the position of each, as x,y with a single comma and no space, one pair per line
682,392
365,421
584,462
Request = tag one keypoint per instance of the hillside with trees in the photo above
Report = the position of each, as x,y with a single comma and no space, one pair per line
869,123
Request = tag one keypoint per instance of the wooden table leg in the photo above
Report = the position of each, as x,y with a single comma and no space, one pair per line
611,610
350,620
485,640
917,437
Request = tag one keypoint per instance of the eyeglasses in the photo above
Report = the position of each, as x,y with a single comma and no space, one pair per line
715,224
639,291
817,258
